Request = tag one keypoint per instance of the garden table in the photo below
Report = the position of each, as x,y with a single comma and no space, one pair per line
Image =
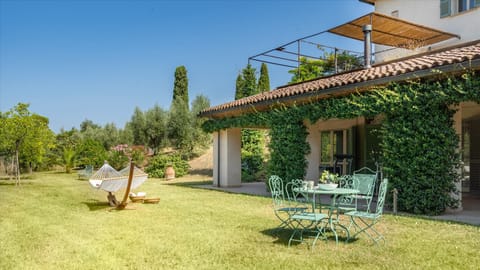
335,193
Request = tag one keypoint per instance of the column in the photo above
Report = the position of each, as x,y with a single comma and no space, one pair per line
227,158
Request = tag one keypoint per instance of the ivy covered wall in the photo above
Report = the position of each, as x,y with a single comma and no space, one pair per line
419,143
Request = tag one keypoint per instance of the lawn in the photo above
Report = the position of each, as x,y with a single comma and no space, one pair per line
54,221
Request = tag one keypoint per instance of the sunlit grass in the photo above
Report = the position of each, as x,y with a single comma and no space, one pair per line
54,221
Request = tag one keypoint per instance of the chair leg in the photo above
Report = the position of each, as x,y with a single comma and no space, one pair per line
312,227
365,227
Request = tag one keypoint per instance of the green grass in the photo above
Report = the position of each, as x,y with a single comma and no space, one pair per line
54,221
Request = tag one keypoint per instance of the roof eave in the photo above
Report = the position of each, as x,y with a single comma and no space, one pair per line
342,90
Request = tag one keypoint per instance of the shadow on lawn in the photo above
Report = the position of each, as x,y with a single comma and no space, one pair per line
95,205
282,235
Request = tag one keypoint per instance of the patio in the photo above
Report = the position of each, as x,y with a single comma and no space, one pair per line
470,213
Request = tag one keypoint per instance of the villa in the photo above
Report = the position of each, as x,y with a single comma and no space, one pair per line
427,41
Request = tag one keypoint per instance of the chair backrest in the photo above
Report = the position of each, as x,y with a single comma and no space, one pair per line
276,188
89,169
291,195
346,181
365,180
382,193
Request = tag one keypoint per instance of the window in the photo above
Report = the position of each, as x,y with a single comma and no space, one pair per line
445,8
452,7
474,3
462,5
335,142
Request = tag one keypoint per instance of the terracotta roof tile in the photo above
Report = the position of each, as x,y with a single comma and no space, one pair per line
380,71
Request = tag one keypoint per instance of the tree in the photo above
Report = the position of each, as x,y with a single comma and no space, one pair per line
24,135
202,139
91,152
180,128
239,87
253,141
264,79
88,124
66,145
249,85
307,70
330,63
39,140
137,126
180,86
156,133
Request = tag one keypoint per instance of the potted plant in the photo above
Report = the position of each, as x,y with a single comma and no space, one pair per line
328,180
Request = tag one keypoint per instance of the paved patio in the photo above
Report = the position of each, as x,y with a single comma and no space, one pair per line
470,213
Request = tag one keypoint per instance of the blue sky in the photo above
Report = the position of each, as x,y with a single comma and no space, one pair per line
98,60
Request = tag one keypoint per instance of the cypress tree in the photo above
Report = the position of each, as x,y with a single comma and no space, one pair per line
263,80
180,86
239,87
252,140
249,86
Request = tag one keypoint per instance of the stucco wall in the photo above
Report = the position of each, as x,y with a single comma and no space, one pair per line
427,12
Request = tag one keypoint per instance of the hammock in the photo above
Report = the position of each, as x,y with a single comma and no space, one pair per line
111,180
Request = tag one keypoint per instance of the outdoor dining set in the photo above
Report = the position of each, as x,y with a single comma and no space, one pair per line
349,204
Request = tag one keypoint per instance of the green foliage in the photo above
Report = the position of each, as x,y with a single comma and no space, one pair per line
253,141
118,159
239,87
419,142
313,68
264,79
69,159
91,152
248,83
288,145
308,70
159,163
138,157
180,128
26,137
156,127
180,86
202,139
137,125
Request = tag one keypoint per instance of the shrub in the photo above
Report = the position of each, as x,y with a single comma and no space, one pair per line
157,165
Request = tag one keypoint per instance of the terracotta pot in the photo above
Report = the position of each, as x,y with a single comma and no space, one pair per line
169,173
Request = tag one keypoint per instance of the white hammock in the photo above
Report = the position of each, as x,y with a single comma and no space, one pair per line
111,180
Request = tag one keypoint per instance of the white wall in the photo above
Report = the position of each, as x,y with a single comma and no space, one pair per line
427,12
227,158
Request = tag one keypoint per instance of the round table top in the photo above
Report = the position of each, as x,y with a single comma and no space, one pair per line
335,191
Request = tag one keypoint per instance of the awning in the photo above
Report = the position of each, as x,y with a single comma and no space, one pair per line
392,31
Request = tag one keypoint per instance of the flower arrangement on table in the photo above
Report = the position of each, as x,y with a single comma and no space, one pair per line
328,177
328,181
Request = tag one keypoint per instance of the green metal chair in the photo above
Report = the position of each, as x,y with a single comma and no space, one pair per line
307,221
364,180
86,173
283,209
346,203
364,221
297,196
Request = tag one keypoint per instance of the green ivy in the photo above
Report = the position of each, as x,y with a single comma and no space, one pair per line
288,145
419,143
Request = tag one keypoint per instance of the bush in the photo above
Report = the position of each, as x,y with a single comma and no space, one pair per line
117,159
157,165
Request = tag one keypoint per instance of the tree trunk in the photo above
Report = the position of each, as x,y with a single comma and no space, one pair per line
17,169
